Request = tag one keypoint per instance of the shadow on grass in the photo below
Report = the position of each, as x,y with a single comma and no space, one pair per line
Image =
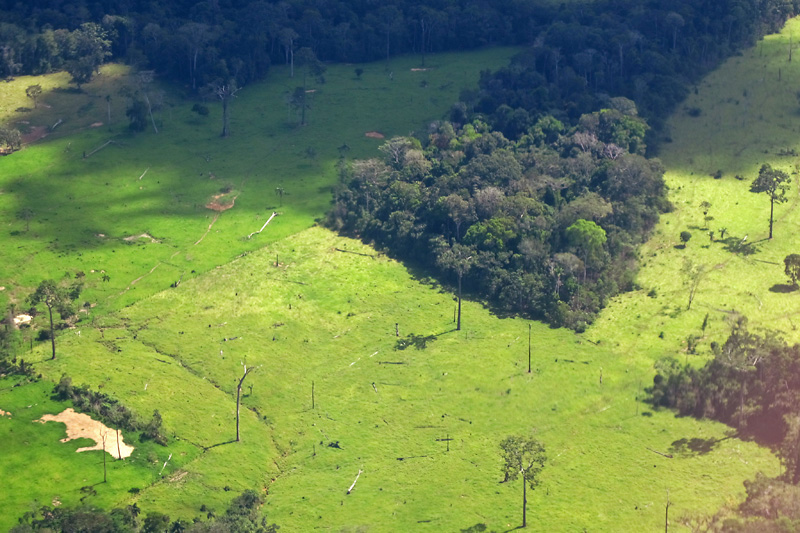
206,448
736,245
783,288
695,446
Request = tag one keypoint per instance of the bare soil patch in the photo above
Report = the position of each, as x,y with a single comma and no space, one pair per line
36,133
81,426
375,135
221,202
5,413
420,69
136,237
95,124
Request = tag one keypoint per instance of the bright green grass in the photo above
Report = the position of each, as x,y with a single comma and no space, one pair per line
332,316
37,469
85,208
748,116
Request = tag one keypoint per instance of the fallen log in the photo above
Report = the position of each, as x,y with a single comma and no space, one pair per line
354,482
264,226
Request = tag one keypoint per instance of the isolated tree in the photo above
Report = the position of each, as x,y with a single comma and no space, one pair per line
34,92
311,66
225,92
588,237
523,456
792,267
11,138
774,183
55,298
239,396
685,236
26,214
457,258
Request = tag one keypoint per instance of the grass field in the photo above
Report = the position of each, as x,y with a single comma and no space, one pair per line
323,320
159,184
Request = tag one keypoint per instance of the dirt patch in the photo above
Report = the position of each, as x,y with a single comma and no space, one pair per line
95,124
5,413
36,133
375,135
178,476
132,238
22,319
81,426
2,288
420,69
221,202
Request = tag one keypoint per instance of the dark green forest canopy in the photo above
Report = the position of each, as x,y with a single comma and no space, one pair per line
550,221
577,52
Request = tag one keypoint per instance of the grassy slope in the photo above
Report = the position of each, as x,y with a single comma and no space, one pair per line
601,473
747,118
329,312
76,199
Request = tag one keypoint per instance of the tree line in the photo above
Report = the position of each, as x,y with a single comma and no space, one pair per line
645,50
546,225
243,514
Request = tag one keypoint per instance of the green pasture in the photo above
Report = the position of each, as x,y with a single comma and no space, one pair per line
324,319
39,470
311,315
89,213
749,116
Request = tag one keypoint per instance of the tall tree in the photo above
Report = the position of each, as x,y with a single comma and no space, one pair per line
774,183
34,92
457,258
225,92
525,457
588,237
239,396
55,298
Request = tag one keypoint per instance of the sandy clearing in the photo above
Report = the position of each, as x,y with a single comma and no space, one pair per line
375,135
95,124
215,205
81,426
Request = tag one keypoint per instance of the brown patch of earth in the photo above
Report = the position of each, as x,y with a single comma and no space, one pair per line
220,203
95,124
375,135
81,426
36,133
5,413
420,69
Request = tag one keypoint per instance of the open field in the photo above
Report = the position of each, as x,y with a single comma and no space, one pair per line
159,184
332,315
323,319
748,118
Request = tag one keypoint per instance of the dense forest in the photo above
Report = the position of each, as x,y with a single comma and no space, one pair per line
546,225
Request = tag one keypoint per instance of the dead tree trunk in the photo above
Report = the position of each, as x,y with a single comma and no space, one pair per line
239,397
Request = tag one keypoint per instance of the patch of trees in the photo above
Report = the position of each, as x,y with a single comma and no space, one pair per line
546,226
752,384
243,514
109,410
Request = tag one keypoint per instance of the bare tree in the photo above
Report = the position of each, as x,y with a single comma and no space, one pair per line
239,396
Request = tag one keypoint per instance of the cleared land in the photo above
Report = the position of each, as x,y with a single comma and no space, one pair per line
324,320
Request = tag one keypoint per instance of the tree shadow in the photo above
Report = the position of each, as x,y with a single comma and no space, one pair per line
206,448
736,245
695,446
783,288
